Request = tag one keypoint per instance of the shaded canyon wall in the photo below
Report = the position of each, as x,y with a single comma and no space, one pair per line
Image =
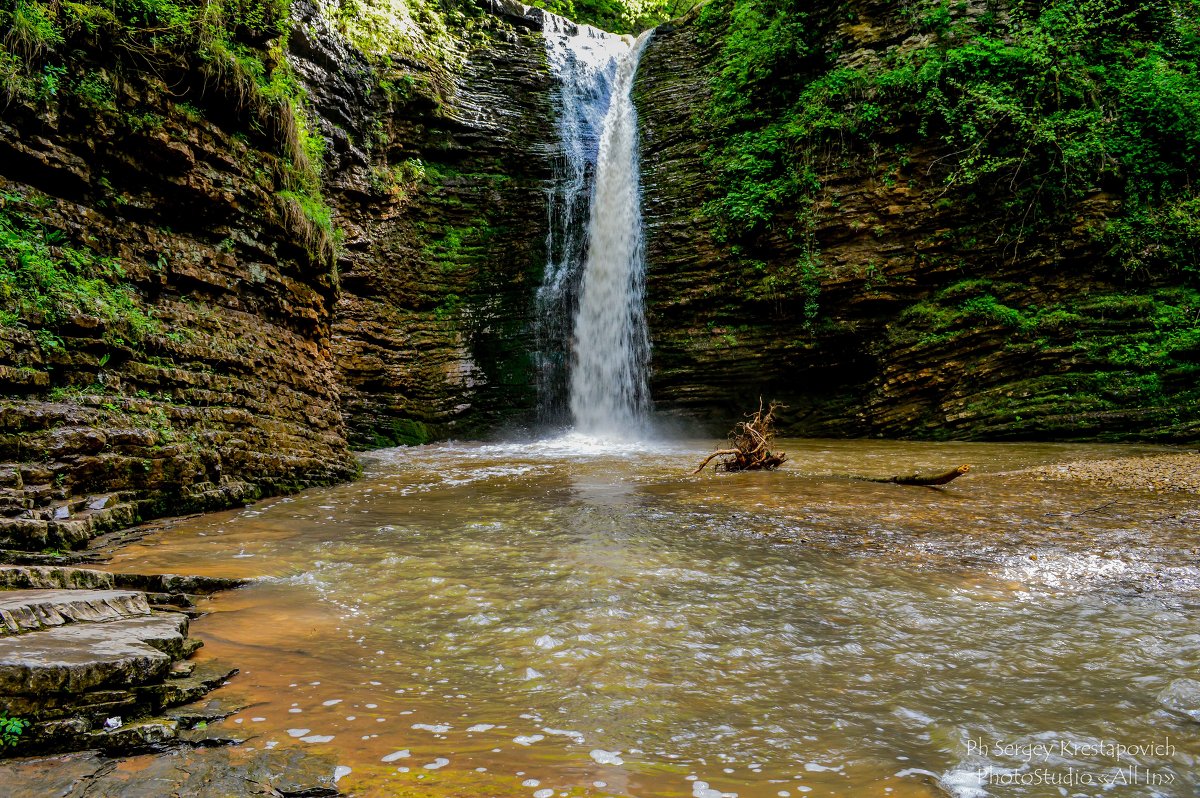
226,351
875,340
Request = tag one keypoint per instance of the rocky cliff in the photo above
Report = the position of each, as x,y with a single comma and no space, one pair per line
166,344
445,227
885,302
238,253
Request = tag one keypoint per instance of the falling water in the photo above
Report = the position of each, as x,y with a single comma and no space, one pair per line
584,60
592,332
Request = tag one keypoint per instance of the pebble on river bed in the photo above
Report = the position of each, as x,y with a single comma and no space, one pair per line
1157,473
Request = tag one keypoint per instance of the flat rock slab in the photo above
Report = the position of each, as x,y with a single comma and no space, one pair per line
23,611
184,772
81,657
53,576
175,584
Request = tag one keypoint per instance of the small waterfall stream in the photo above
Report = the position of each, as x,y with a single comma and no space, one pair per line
593,343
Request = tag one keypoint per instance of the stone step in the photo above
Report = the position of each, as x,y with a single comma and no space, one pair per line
24,611
54,576
86,656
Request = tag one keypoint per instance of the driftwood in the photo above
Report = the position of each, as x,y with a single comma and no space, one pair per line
918,479
750,445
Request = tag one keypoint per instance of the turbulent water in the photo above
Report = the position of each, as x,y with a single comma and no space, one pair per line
570,618
594,275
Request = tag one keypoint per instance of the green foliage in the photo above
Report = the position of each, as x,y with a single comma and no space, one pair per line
398,180
762,164
31,31
1034,109
1145,345
47,281
96,92
618,16
11,730
384,29
238,45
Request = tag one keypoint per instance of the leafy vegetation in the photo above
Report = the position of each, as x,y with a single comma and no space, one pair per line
42,277
618,16
11,730
1035,105
1146,344
238,46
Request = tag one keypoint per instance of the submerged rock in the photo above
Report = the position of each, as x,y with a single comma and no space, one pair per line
1182,697
187,771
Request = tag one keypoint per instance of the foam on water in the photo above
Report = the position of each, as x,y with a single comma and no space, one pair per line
671,634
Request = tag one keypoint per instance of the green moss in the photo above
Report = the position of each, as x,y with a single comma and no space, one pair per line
618,16
239,47
45,281
1124,349
405,432
460,247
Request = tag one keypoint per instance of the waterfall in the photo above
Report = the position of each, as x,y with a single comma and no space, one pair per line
591,330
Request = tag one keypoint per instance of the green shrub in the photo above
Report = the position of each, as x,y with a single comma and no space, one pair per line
1032,110
618,16
11,730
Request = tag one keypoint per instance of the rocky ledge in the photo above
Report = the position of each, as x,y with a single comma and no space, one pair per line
201,771
1162,473
88,663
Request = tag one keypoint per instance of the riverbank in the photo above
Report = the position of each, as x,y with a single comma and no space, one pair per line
1160,473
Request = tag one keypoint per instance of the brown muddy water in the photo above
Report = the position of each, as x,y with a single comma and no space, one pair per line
566,618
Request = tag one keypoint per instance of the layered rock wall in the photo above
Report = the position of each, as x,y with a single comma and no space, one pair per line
227,385
228,357
876,340
445,237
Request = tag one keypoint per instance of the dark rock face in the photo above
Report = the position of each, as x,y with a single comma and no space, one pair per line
231,391
877,357
445,238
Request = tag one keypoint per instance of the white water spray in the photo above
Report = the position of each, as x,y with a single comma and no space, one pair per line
595,278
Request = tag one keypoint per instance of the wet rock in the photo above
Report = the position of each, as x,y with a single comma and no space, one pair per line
81,657
177,584
1182,697
33,610
196,772
51,577
150,734
99,502
76,441
91,667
